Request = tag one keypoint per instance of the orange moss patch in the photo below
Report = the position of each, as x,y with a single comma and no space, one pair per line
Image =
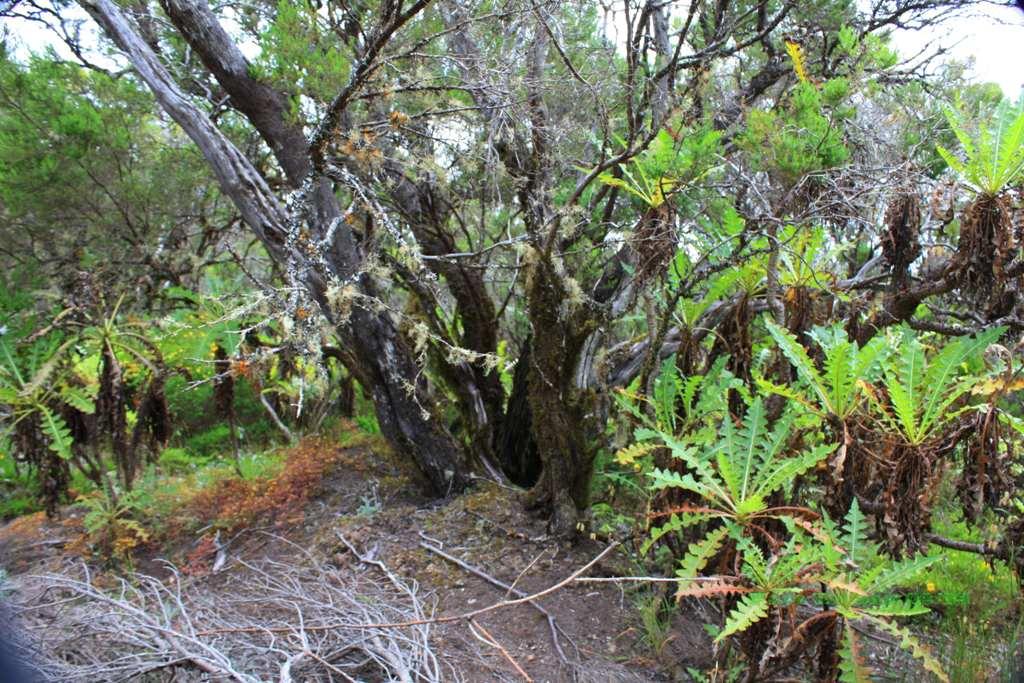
235,503
24,528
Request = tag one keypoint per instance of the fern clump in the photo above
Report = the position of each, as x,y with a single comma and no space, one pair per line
993,160
793,583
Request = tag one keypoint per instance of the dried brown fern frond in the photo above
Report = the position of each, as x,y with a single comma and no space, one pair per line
986,247
654,242
901,242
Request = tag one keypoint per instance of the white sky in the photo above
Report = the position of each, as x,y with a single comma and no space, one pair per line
992,39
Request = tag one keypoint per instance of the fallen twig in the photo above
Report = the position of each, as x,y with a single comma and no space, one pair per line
509,590
484,636
432,620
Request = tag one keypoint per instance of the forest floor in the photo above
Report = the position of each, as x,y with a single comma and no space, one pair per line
368,505
358,510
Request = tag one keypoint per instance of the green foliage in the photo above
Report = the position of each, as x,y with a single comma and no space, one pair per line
667,166
922,391
300,53
82,153
738,474
994,154
33,383
806,136
181,460
840,386
112,523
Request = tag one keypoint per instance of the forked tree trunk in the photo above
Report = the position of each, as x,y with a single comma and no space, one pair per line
560,407
382,358
421,202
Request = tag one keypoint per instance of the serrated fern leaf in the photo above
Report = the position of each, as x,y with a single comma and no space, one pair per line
698,555
798,358
910,643
712,589
57,432
751,609
851,662
677,522
896,607
941,385
783,390
791,468
750,444
855,535
628,456
79,399
900,573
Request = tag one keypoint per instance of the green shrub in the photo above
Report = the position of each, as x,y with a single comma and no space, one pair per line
179,460
211,442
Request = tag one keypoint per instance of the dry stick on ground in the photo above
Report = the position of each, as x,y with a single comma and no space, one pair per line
510,590
433,620
523,573
84,633
485,637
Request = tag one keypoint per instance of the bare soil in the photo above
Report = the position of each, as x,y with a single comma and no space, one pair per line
373,504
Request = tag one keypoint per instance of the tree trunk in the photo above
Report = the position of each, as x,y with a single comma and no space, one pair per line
397,392
267,110
559,405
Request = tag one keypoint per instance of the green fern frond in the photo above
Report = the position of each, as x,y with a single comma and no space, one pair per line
751,609
797,356
994,157
899,573
78,398
698,554
60,439
910,643
791,468
851,662
677,522
896,607
941,382
855,534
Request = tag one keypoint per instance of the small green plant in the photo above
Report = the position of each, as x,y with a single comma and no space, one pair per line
839,387
655,620
112,525
736,478
922,391
859,594
994,155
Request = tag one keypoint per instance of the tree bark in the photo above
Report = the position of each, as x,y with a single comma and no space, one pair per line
559,406
377,347
422,203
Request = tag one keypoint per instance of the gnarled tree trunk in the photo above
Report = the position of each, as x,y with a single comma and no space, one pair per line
383,360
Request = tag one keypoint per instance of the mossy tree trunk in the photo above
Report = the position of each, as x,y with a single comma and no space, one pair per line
560,407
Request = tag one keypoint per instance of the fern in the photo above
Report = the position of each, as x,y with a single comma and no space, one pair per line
851,663
751,609
628,456
994,158
910,643
57,432
921,392
855,534
838,389
676,522
698,555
